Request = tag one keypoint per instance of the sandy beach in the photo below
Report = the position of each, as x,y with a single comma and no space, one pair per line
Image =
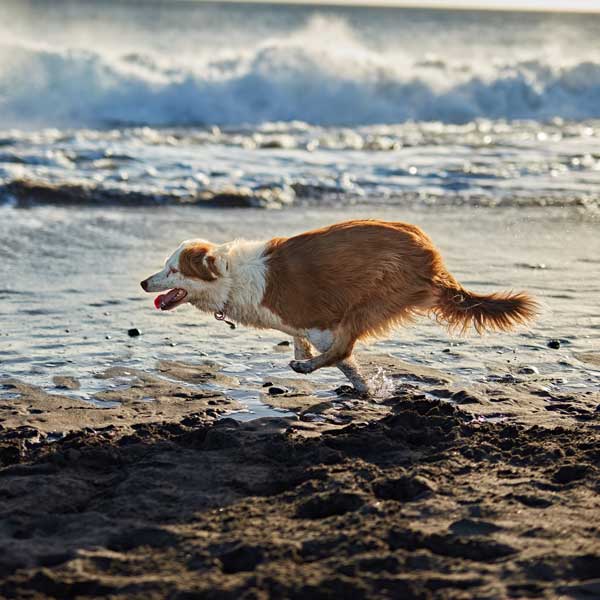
190,462
408,497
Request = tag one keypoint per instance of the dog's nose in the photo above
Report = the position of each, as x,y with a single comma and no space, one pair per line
144,285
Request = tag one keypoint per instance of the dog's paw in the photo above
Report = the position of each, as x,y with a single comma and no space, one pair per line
362,392
358,392
301,366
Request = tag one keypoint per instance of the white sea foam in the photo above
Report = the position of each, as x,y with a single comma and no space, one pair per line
321,74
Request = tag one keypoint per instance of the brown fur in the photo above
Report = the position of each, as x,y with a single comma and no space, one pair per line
194,262
501,311
361,278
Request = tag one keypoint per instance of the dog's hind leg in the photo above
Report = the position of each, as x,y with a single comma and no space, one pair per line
302,348
351,369
336,350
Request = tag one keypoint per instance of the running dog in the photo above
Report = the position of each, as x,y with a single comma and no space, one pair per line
330,288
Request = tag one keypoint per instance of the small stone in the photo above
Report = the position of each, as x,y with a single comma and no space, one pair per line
107,337
463,397
447,350
134,332
267,384
554,344
344,390
529,371
276,391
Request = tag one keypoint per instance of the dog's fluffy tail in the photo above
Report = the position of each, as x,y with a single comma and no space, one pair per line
460,309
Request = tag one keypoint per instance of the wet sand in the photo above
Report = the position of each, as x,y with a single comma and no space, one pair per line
481,494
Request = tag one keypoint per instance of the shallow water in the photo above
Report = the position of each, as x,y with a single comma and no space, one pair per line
71,291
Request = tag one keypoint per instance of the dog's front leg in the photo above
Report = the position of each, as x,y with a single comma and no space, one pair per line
302,348
333,348
335,351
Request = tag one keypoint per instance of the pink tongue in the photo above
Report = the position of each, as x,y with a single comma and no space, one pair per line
164,301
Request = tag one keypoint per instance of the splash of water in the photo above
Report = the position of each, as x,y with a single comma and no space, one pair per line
381,385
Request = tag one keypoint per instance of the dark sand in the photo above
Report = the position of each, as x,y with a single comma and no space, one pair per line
493,494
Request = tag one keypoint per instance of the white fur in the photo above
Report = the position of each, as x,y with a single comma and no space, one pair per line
321,339
246,281
165,279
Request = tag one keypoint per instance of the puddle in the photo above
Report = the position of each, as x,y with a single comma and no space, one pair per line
255,407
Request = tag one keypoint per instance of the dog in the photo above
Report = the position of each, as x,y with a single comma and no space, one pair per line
331,287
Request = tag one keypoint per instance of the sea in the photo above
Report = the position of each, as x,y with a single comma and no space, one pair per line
128,126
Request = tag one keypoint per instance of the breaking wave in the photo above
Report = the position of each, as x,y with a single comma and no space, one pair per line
296,78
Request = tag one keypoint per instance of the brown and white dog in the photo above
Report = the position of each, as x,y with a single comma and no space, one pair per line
331,287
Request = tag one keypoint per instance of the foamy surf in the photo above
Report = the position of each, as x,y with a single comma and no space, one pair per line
301,76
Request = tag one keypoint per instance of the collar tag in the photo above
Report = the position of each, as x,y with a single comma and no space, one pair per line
220,316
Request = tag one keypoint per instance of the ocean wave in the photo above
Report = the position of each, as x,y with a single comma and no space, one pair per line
25,194
303,77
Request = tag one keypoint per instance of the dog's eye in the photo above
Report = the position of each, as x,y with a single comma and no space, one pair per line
172,270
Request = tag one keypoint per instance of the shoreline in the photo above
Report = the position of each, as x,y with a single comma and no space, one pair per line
69,328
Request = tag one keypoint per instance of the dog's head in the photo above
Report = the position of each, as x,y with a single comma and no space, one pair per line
189,274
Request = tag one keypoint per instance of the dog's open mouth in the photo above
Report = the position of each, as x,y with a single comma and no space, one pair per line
170,300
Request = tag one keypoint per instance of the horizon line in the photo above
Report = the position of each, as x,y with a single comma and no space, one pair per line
427,5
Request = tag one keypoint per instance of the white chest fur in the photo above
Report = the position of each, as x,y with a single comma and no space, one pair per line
246,283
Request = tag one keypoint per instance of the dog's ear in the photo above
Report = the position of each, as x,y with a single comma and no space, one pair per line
217,264
198,261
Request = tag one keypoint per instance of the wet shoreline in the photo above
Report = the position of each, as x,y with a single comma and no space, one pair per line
72,293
